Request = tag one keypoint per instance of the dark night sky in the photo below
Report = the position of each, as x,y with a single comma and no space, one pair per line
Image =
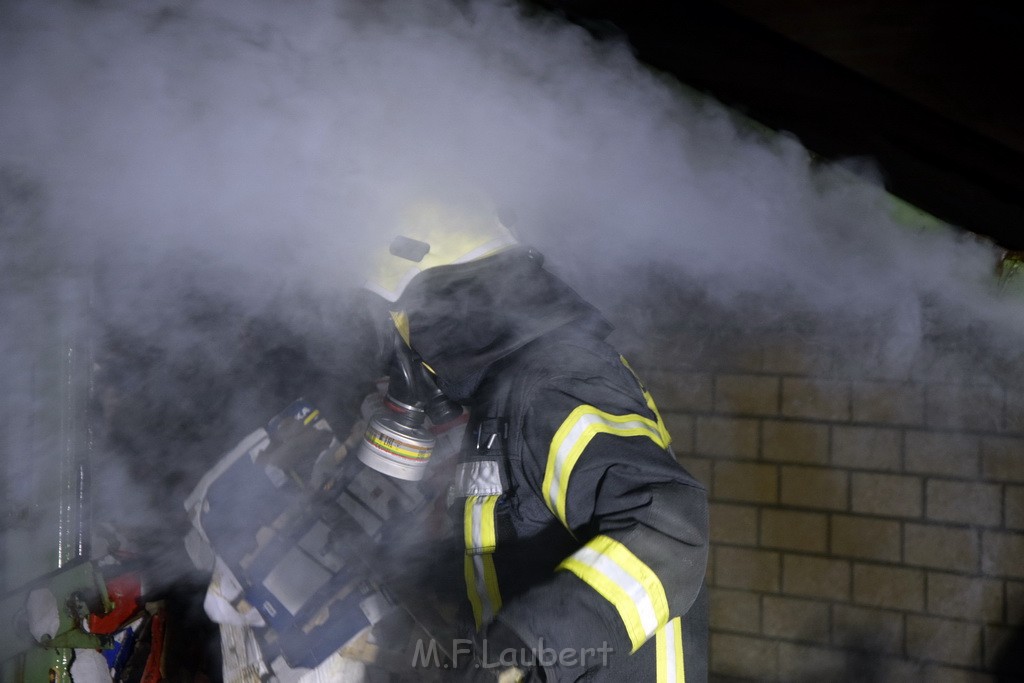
927,89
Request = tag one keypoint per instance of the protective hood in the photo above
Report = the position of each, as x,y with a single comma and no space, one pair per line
464,318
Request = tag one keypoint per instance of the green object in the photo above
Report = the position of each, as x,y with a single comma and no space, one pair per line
1011,275
72,587
910,216
47,665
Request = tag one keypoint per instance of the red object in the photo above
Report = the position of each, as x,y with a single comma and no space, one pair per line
153,673
124,591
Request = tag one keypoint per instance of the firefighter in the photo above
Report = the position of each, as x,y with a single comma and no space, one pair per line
582,541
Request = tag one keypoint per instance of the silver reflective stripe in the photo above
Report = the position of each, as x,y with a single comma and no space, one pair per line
669,653
481,540
620,577
588,422
483,582
670,650
477,522
477,478
479,525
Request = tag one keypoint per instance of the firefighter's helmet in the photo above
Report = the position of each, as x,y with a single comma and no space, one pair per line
431,235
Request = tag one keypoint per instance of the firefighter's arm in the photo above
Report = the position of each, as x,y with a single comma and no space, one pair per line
609,479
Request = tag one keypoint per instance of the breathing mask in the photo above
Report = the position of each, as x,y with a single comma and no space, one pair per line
397,441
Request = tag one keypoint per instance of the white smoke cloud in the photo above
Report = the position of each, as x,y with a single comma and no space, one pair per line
255,147
282,138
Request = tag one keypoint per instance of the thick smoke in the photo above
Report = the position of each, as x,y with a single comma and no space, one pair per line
281,139
194,169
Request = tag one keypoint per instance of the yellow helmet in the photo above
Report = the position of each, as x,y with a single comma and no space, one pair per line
434,234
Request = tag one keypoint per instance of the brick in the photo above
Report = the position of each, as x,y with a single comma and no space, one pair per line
936,364
733,524
732,354
1015,411
1002,458
891,587
860,628
790,530
733,610
682,428
815,487
1002,554
954,455
809,663
747,394
956,406
888,402
709,571
935,673
891,495
866,538
727,437
867,448
951,595
964,502
794,356
743,656
700,468
1014,603
742,481
899,669
680,391
943,640
815,577
796,619
939,547
756,570
668,353
794,442
1014,506
816,399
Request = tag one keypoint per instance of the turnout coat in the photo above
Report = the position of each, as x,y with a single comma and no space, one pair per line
582,538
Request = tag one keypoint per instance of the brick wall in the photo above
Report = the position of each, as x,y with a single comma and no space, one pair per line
862,525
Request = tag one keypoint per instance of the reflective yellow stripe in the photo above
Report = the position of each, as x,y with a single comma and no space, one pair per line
482,587
312,416
572,438
650,403
622,579
670,653
480,535
478,524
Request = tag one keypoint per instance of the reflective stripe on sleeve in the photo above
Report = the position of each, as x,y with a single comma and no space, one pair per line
622,579
480,535
478,525
573,436
650,402
482,587
670,652
477,478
